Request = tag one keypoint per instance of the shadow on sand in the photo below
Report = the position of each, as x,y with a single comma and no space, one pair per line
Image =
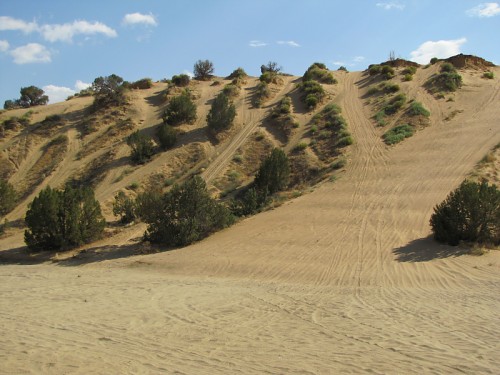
426,249
21,256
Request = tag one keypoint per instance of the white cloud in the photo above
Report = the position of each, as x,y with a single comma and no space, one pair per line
79,85
391,5
138,18
257,43
4,45
57,93
189,73
338,63
67,31
9,23
290,43
440,49
31,53
358,59
484,10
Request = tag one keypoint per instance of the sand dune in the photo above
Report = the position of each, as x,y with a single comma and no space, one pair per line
342,280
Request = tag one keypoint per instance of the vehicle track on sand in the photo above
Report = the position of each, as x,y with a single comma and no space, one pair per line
251,119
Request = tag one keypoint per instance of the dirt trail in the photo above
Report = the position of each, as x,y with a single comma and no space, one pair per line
250,118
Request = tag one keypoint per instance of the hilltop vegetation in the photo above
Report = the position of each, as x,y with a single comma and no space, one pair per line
252,141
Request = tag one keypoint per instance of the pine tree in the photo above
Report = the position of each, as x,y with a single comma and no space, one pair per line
274,173
222,114
62,219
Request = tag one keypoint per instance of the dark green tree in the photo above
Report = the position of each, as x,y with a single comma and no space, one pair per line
8,197
274,173
32,96
142,147
180,109
203,70
469,213
186,214
11,104
221,114
108,91
181,80
124,207
167,136
62,219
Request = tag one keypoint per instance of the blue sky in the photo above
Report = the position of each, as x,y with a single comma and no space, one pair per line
61,46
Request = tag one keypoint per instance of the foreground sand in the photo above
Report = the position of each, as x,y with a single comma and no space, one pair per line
342,280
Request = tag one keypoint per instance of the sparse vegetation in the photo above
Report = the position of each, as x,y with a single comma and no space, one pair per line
386,71
124,207
108,91
489,75
447,80
238,74
397,134
221,114
203,70
319,72
417,109
142,84
62,219
183,215
281,115
273,174
434,60
181,80
30,96
312,93
8,198
231,90
167,136
180,110
262,92
142,147
470,213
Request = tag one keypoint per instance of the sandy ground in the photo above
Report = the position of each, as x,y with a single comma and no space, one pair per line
342,280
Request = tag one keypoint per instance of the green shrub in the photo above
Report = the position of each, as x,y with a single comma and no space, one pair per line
342,68
8,197
231,90
345,141
221,114
167,136
380,117
417,109
62,219
489,75
408,77
410,70
447,67
238,73
124,207
262,92
395,104
434,60
274,173
387,72
301,146
397,134
268,77
142,147
313,93
108,91
181,80
142,84
448,81
374,69
391,87
469,213
282,108
185,214
373,90
180,109
319,72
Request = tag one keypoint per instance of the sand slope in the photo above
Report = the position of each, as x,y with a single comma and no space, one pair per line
342,280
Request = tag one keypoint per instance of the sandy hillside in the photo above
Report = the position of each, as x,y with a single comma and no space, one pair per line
344,279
